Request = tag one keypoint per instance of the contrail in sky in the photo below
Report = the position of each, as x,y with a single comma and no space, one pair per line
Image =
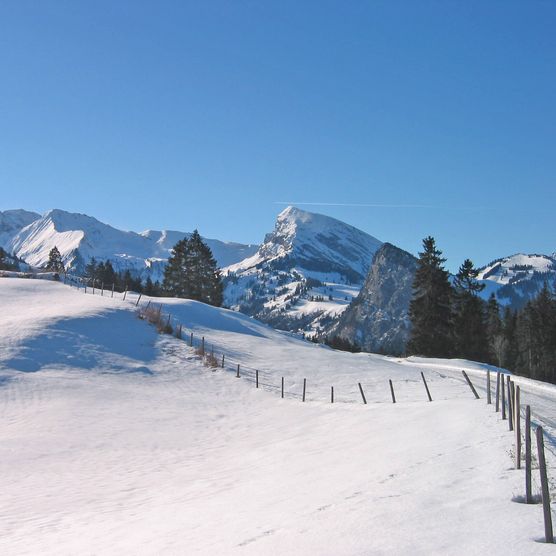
354,205
375,205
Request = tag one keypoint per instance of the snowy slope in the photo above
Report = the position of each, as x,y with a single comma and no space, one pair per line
304,274
120,442
518,278
80,237
12,221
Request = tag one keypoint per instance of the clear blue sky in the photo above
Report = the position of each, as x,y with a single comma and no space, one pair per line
207,114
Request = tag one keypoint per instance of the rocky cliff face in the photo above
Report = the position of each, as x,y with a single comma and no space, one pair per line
377,319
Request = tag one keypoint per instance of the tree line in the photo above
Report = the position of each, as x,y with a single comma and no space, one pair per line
450,319
191,273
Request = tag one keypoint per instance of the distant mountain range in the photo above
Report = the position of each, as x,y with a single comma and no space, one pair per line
79,237
311,274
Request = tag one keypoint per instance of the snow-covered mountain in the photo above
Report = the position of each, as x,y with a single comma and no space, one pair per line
12,221
304,274
80,237
518,278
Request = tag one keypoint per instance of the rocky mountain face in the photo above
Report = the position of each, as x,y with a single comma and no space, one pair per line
304,274
377,320
80,237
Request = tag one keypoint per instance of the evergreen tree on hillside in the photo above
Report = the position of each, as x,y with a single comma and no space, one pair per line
470,330
91,270
430,308
192,273
497,344
5,262
55,263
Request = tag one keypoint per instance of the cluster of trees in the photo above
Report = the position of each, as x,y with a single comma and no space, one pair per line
7,262
192,272
449,319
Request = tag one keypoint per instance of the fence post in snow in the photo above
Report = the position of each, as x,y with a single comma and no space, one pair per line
470,385
392,391
138,299
304,387
528,493
332,394
191,340
125,293
112,291
237,374
282,387
179,332
102,289
202,346
497,392
489,400
168,322
362,393
426,386
510,404
548,532
503,390
517,428
222,360
256,378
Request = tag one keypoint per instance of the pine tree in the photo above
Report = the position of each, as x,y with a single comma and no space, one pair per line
497,343
55,263
5,263
470,331
192,272
430,308
91,271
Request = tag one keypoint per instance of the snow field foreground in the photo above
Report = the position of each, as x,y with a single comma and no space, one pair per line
116,440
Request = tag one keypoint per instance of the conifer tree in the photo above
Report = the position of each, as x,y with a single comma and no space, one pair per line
192,272
470,331
55,263
430,308
91,270
497,343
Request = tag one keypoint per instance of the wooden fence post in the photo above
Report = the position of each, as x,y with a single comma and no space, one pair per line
517,428
125,293
282,387
179,332
470,385
237,373
112,291
426,386
191,340
510,404
392,391
502,390
548,532
222,360
362,393
332,394
138,299
528,493
256,378
202,346
489,399
497,392
102,289
304,387
168,322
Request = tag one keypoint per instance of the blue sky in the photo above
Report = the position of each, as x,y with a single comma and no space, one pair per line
210,114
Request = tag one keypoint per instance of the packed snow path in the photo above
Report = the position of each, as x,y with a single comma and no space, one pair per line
116,440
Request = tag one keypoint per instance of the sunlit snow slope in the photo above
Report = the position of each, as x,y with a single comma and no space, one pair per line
116,440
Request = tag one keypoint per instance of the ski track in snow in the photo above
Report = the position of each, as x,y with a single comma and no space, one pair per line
116,440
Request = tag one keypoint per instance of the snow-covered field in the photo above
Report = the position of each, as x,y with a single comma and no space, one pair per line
117,440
